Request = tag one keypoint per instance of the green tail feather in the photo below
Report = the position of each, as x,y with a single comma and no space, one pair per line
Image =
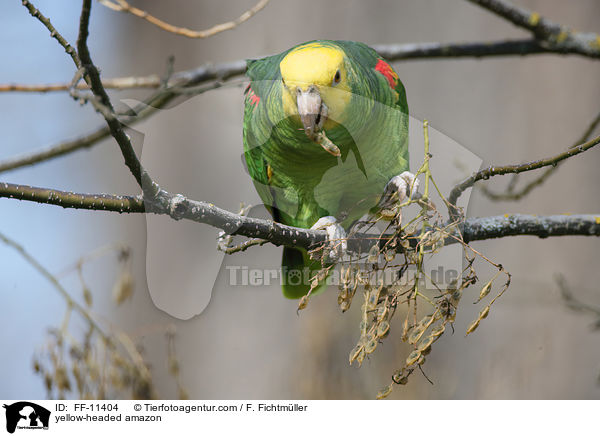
297,280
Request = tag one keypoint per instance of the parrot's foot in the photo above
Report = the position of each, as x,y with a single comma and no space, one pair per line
398,189
336,244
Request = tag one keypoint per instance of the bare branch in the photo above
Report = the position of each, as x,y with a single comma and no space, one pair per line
550,34
53,32
56,284
392,52
142,111
51,152
512,195
114,125
179,207
436,50
123,6
151,81
113,203
478,229
515,169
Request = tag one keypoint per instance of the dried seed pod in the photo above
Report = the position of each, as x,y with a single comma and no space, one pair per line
373,254
383,393
426,321
355,352
416,334
436,332
383,329
87,296
371,344
361,357
484,313
405,330
62,379
303,302
390,255
382,311
372,299
388,214
473,326
425,343
413,357
363,326
485,291
123,288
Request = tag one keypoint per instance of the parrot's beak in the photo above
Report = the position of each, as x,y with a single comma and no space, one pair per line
311,109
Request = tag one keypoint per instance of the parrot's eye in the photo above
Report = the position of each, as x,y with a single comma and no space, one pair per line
337,77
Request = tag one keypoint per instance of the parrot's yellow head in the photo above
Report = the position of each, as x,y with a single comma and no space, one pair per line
315,85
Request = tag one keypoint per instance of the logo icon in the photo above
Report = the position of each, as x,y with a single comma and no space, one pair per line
26,415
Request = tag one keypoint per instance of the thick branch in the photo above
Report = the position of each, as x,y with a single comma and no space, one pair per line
112,203
478,229
436,50
179,207
550,34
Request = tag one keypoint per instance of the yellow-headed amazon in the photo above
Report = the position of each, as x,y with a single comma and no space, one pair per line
325,130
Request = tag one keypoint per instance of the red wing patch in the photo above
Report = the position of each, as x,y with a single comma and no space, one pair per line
384,68
250,95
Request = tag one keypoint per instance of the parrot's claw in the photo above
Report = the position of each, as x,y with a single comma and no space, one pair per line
398,189
336,244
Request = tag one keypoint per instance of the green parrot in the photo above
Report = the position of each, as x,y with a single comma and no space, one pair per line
325,137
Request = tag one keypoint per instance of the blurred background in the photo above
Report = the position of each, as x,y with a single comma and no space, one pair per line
247,341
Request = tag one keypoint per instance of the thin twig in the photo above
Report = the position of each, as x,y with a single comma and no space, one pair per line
115,126
140,112
123,6
515,169
151,81
56,284
511,195
572,302
53,32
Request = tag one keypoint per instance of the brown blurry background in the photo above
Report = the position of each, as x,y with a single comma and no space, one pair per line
249,342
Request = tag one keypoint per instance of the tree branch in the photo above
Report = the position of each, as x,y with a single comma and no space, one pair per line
179,207
53,32
123,6
112,203
478,229
511,195
114,125
550,34
392,52
515,169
